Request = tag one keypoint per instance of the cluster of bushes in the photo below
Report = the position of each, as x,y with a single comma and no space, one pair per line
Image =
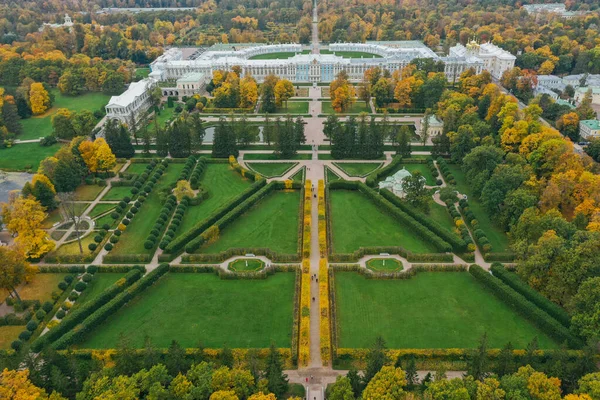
460,225
456,242
100,314
512,280
322,219
380,174
391,110
174,225
78,315
179,243
215,110
304,336
196,176
161,221
190,163
90,180
450,180
143,177
324,306
411,223
526,308
480,237
434,171
307,219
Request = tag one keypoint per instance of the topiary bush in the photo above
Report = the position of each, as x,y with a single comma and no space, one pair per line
92,246
60,314
63,285
73,296
114,239
108,246
86,278
24,336
69,279
80,286
92,269
106,227
40,314
31,326
16,345
47,306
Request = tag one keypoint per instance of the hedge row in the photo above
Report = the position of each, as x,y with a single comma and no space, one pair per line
101,314
190,164
93,269
296,313
460,225
126,258
243,171
458,244
478,234
512,280
77,315
322,218
196,176
304,311
174,224
306,219
411,223
72,269
162,220
380,174
448,177
526,308
414,257
179,243
324,306
500,257
406,274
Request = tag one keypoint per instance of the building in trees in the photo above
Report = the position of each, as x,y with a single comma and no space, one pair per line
135,101
589,128
495,59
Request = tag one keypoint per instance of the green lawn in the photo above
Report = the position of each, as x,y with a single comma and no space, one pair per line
133,238
271,170
351,54
107,219
299,176
274,56
9,334
223,184
41,125
497,237
142,72
136,168
429,310
272,223
25,156
358,107
358,222
100,209
358,169
294,107
73,247
246,265
440,214
88,192
330,175
117,193
201,308
423,169
100,282
165,114
40,288
273,156
384,265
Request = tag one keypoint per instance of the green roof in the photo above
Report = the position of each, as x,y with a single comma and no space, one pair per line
564,103
192,77
593,124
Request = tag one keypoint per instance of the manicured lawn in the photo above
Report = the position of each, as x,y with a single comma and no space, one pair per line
358,169
133,238
100,209
272,223
142,72
358,222
73,247
299,176
165,114
498,239
223,184
25,156
294,107
429,310
117,193
351,54
330,175
100,282
270,170
246,265
107,219
358,107
41,287
9,334
273,156
54,216
441,215
384,265
423,169
41,125
201,308
88,192
136,168
274,56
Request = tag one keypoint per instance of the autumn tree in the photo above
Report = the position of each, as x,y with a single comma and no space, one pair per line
183,189
584,109
585,304
342,93
24,217
387,384
62,124
248,92
14,269
568,125
284,90
38,98
267,94
97,155
16,385
42,189
341,389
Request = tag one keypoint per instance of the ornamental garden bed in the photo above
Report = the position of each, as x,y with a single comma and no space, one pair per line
246,265
222,184
367,225
384,265
429,310
271,170
293,107
271,223
196,308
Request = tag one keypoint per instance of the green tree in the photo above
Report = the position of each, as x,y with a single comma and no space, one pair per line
278,381
415,192
180,141
585,307
478,363
267,94
387,384
506,363
404,147
376,358
341,389
479,165
10,117
355,382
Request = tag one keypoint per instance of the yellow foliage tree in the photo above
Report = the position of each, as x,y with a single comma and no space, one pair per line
38,98
105,158
284,90
24,217
15,385
546,68
386,385
183,189
343,98
248,92
262,396
44,180
88,154
224,395
402,93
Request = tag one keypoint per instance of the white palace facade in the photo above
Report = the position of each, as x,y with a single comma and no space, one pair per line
173,65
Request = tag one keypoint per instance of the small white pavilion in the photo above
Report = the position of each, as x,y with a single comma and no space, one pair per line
394,183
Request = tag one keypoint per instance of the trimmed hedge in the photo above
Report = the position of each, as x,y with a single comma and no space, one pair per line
512,280
527,309
100,314
457,243
75,316
180,242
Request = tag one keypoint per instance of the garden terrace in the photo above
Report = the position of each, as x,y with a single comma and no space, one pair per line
369,225
429,310
195,308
